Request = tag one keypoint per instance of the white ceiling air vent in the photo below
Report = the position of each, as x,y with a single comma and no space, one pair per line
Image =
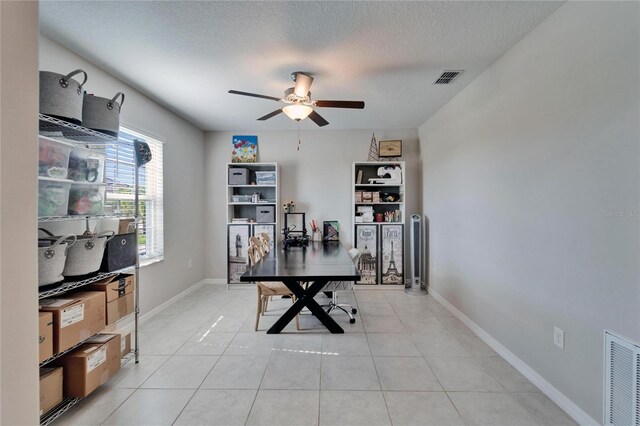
622,381
448,76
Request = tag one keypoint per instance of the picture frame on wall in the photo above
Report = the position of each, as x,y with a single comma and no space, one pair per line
331,230
237,245
367,243
269,230
390,149
392,262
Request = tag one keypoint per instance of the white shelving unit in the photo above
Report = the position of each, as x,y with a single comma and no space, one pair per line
246,208
84,138
380,241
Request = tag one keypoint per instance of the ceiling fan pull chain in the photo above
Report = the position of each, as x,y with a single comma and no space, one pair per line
298,136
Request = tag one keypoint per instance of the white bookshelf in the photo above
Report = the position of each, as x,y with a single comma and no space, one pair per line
246,209
369,170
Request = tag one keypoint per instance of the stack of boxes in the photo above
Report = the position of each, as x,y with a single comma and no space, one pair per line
79,317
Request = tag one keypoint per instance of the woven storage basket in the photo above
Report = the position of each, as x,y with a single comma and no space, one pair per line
51,260
102,114
85,256
61,96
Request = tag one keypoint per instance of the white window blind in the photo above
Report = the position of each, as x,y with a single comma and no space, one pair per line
120,178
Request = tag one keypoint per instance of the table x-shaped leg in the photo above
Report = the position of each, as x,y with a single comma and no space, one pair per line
305,298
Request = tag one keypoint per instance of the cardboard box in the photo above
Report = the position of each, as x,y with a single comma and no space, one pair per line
50,388
120,308
125,340
45,337
126,226
114,287
76,317
91,365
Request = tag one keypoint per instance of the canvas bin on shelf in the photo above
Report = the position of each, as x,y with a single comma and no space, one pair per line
119,253
85,256
238,176
61,95
102,114
265,214
52,257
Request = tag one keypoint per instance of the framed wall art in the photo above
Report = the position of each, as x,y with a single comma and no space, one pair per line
237,245
392,265
367,243
245,149
269,230
390,149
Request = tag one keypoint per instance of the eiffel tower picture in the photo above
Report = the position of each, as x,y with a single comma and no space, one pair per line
392,253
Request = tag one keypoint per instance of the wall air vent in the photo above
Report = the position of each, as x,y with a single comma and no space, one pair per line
622,381
448,76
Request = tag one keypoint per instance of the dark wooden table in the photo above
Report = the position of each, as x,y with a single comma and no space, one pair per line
318,263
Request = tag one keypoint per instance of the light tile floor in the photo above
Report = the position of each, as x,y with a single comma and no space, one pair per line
406,361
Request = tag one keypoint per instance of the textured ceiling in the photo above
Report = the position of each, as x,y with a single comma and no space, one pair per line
186,55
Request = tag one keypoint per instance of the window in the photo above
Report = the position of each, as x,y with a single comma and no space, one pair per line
120,178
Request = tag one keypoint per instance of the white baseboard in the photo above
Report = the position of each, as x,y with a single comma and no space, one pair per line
215,281
129,325
570,407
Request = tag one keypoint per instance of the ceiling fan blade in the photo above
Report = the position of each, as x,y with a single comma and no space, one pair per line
303,84
255,95
317,118
271,114
340,104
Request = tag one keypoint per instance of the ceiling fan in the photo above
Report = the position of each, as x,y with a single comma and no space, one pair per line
298,101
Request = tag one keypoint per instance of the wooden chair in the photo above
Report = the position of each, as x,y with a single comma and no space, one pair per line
267,289
264,237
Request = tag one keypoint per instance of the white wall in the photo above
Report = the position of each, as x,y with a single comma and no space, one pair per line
183,171
317,178
522,170
19,402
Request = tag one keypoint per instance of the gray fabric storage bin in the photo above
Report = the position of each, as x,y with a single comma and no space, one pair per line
238,176
266,214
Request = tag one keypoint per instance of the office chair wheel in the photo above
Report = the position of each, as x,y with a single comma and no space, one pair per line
352,320
354,311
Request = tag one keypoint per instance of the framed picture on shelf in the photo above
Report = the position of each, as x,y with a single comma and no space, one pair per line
245,149
267,229
392,265
367,243
331,230
238,243
390,149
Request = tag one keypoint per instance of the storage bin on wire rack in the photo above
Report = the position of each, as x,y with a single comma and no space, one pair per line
53,196
53,158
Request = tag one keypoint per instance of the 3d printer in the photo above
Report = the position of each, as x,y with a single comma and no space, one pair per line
295,230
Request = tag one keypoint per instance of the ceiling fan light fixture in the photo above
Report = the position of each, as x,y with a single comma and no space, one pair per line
297,111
